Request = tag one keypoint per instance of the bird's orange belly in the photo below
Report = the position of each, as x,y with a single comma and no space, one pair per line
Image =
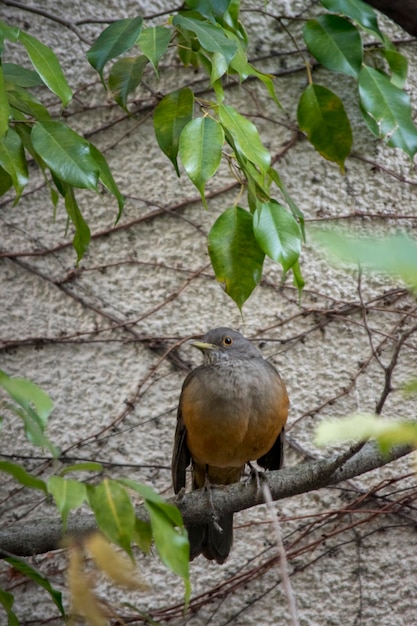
230,441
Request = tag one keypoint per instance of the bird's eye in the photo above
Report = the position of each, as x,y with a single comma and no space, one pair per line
227,341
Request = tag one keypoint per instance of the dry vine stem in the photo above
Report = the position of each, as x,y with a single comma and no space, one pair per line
283,563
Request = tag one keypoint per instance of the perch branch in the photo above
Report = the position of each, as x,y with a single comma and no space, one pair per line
43,535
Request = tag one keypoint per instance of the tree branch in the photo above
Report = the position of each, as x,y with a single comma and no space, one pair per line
43,535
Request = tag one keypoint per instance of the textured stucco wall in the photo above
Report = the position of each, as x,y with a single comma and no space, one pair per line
148,285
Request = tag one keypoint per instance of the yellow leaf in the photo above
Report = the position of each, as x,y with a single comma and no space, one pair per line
117,567
80,585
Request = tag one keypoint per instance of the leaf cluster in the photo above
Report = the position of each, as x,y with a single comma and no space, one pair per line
198,135
27,130
109,500
336,40
209,34
363,426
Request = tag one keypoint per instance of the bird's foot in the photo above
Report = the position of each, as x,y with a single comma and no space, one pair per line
209,489
179,497
256,475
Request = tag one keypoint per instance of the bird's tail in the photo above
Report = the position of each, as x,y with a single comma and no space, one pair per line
211,540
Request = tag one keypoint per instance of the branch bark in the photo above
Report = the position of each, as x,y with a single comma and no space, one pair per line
43,535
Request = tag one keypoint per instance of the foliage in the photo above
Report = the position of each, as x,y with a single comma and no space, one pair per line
32,405
336,42
202,133
109,500
364,426
395,255
27,130
30,572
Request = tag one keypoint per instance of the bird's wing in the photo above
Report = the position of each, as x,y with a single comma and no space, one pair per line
181,456
274,458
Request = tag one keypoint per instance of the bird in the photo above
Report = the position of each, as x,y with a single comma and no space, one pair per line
232,410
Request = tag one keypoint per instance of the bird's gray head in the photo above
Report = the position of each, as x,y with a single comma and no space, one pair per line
225,344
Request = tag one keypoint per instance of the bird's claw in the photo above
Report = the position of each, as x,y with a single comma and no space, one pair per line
256,475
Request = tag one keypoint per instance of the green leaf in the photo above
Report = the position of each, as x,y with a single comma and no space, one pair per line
82,235
47,66
241,65
27,394
267,80
5,181
66,153
113,41
12,159
186,44
114,512
125,75
34,430
107,179
143,535
24,101
8,32
387,110
277,233
153,42
358,11
211,37
200,150
22,476
171,543
68,495
150,495
295,210
298,279
36,407
218,68
245,137
398,65
322,116
21,76
4,107
335,43
235,255
6,600
258,183
364,426
231,20
87,466
25,133
170,116
30,572
168,531
209,8
395,255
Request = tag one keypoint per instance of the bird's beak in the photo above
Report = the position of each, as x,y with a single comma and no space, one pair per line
201,345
